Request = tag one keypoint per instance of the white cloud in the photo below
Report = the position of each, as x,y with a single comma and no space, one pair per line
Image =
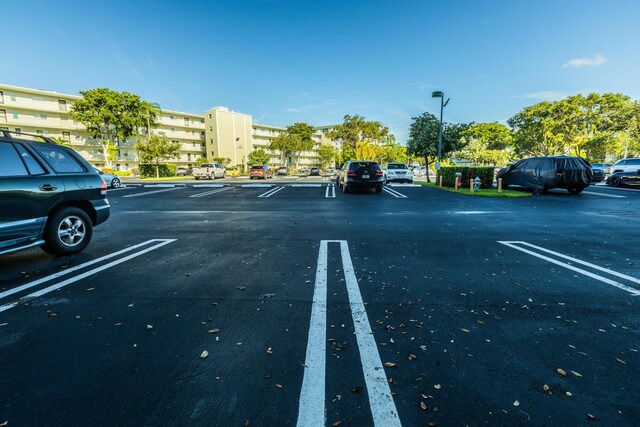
598,59
421,85
547,95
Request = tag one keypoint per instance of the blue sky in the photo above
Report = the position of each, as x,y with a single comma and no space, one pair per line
315,61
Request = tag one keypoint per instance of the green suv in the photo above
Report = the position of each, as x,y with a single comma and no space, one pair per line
49,196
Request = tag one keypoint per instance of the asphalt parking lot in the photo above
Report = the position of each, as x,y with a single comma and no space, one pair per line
287,302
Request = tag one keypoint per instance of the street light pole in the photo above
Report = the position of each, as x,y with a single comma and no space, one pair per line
440,94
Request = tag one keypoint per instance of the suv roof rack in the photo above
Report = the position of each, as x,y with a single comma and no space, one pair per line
29,136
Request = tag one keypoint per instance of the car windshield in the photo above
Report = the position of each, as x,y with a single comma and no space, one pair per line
366,165
396,166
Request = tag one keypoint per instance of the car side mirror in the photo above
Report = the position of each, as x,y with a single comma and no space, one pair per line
638,172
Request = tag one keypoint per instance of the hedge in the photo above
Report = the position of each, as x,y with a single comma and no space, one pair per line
149,171
486,175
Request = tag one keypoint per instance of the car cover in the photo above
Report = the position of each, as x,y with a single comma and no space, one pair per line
543,173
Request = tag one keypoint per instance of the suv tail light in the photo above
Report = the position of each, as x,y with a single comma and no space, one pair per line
351,173
103,187
379,172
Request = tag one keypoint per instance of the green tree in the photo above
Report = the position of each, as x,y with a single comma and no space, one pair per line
302,135
109,116
259,157
201,160
423,138
486,143
356,129
286,144
151,112
327,154
155,149
224,161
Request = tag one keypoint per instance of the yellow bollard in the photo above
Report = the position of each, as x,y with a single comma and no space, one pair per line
500,185
456,183
440,181
470,185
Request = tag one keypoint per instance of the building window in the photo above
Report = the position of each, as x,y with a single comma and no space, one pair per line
39,132
40,116
1,97
3,115
210,116
171,117
15,114
13,97
173,129
62,105
186,121
66,136
18,130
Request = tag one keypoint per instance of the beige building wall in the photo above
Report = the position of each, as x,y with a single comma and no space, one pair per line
228,135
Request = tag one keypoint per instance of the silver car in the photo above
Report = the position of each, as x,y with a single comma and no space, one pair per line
111,180
625,165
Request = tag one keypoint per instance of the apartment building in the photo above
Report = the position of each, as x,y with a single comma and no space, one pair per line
219,132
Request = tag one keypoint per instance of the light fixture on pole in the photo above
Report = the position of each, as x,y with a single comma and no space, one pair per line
443,103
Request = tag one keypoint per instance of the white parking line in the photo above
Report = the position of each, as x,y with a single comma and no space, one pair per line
209,185
394,193
330,192
257,185
312,397
271,192
161,242
76,268
208,193
146,193
305,185
311,407
632,291
595,193
383,408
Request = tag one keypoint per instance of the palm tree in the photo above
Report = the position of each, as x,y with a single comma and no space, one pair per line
151,112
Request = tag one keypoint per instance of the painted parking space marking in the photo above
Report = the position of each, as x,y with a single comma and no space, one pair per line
568,265
330,192
312,405
271,192
257,185
209,185
595,193
305,185
208,193
394,193
158,244
146,193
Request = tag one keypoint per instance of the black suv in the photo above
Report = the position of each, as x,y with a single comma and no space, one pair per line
49,196
360,174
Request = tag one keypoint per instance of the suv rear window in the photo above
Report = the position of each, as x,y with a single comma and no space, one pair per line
633,162
367,165
59,159
256,167
10,163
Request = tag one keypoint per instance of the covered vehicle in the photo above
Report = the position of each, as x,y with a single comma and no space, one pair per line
540,174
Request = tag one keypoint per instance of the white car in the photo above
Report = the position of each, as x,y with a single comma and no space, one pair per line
418,170
625,165
398,172
111,180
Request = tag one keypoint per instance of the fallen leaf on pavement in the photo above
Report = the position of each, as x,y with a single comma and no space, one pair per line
204,354
464,330
336,423
242,288
423,406
389,364
561,372
620,361
269,351
91,289
516,403
412,357
357,389
568,393
577,374
545,387
214,331
279,385
149,326
437,386
591,417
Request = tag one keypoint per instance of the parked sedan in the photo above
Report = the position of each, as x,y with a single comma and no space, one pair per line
314,172
604,166
260,171
598,174
398,172
624,178
282,171
110,179
361,174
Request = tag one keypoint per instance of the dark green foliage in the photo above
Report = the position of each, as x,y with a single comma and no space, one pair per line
165,170
449,175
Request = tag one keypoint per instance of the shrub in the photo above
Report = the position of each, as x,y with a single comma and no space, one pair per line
486,175
107,170
166,170
123,173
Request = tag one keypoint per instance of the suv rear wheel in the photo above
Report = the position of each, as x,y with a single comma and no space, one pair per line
68,232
